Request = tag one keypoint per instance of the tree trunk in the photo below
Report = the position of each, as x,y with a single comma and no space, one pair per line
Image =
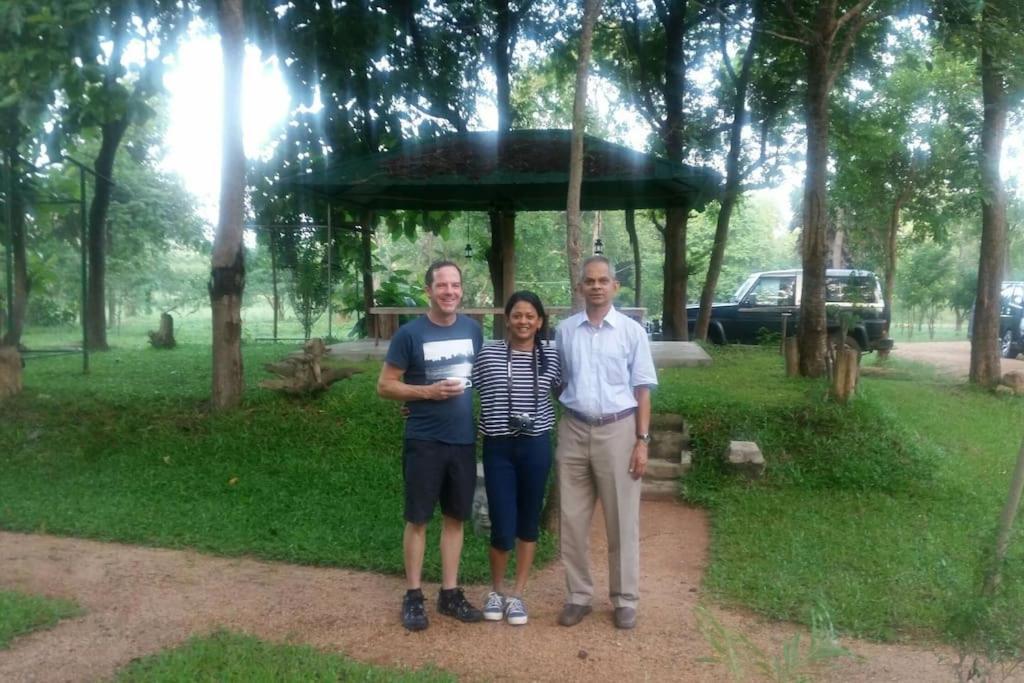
634,242
22,285
591,10
813,326
732,174
227,277
674,292
501,263
892,232
985,368
96,329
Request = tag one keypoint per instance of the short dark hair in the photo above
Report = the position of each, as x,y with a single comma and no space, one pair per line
542,334
597,258
436,266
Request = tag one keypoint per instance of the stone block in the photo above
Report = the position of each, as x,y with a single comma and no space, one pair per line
685,462
1015,380
1003,390
745,458
660,490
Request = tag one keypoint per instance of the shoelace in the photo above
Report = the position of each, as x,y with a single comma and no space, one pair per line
494,601
514,605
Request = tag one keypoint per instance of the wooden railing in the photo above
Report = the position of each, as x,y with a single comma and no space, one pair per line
385,318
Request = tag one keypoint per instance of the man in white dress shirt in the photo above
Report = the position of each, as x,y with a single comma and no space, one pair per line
607,374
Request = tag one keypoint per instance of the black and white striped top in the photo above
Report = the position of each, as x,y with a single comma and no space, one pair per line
490,379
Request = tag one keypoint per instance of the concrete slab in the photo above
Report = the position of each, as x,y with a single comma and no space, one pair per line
666,354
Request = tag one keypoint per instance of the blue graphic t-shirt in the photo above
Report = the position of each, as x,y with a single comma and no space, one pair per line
429,353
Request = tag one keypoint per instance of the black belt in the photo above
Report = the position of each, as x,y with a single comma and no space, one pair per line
598,420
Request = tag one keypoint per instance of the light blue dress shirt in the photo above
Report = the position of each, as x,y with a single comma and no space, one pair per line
602,365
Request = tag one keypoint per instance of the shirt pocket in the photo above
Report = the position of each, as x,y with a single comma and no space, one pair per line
615,365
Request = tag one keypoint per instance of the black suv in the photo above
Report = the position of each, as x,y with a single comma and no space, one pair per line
761,301
1011,319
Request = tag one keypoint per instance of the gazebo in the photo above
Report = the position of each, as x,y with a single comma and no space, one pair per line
519,170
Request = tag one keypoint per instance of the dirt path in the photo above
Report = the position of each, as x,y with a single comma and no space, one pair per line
141,600
951,358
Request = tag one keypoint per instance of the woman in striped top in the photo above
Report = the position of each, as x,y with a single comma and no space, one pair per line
515,379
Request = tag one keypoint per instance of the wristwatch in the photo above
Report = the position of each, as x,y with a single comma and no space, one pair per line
645,437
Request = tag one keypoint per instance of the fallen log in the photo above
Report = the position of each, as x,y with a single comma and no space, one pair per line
302,375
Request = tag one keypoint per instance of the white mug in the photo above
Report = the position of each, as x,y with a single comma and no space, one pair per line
464,381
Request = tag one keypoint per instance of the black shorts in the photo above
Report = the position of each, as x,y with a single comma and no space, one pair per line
435,471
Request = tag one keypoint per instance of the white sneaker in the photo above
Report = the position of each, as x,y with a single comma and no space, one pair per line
494,608
515,612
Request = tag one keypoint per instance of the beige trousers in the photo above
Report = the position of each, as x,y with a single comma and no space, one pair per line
593,463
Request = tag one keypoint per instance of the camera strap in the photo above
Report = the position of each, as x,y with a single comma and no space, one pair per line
536,379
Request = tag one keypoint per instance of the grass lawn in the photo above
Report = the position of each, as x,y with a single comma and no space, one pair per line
226,656
130,453
880,512
21,614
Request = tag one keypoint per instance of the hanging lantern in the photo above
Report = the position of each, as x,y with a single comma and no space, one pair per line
598,247
468,251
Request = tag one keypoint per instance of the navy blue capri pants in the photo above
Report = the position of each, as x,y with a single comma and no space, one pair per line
516,476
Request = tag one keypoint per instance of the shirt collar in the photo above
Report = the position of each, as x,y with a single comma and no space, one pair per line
611,318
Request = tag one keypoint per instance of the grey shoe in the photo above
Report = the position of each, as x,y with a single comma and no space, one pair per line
494,608
625,617
573,614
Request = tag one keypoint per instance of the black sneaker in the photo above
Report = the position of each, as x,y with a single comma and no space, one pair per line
414,613
453,603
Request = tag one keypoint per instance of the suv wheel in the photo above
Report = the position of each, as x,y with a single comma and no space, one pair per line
1007,347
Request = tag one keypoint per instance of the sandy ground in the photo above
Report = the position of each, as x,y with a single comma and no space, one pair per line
141,600
952,358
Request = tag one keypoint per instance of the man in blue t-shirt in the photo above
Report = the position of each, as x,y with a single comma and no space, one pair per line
428,366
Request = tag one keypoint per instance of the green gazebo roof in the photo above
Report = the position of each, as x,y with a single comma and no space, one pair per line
527,171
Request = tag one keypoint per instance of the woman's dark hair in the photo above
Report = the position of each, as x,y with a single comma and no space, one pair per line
542,334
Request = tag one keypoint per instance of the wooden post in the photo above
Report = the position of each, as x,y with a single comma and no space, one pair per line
792,357
847,367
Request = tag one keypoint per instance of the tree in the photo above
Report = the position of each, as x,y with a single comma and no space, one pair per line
112,93
648,56
773,94
227,274
592,8
35,57
1000,32
827,39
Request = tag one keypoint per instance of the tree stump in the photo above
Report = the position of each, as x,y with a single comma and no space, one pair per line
164,337
847,369
10,372
302,375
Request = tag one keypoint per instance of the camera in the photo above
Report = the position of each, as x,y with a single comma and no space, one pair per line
519,422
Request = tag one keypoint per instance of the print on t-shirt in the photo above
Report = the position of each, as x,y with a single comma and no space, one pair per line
448,358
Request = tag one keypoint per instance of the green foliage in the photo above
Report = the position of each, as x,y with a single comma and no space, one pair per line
226,656
21,614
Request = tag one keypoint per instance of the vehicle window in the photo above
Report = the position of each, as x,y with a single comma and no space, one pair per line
742,289
851,289
1018,295
772,290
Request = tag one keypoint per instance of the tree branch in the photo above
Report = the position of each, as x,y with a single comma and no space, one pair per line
723,47
849,38
852,13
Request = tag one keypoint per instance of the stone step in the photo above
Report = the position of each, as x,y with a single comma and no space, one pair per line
668,445
660,490
658,469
